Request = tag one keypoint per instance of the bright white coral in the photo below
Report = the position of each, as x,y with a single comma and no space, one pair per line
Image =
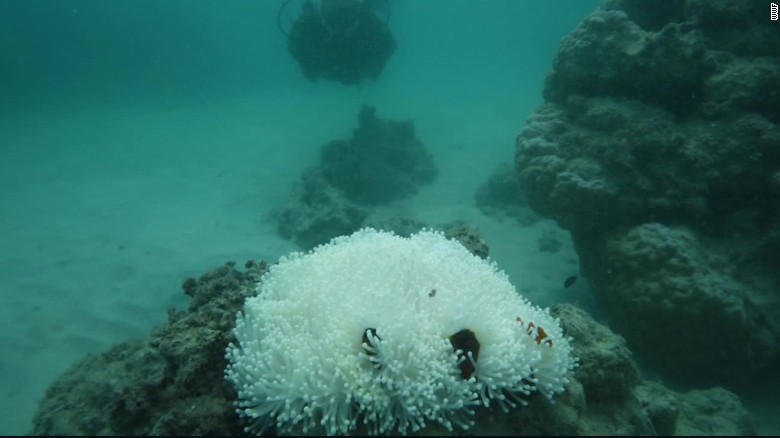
356,334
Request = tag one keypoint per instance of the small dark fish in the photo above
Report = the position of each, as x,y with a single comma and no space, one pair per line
569,281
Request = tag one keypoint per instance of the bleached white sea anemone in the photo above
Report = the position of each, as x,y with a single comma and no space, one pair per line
386,334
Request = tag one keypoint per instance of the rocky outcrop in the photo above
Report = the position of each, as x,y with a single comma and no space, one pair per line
172,383
658,147
382,162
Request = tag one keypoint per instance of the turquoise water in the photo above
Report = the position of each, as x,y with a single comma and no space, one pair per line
145,141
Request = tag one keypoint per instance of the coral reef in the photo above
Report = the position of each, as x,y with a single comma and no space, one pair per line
342,41
712,411
500,196
469,238
317,211
382,162
169,384
172,382
658,148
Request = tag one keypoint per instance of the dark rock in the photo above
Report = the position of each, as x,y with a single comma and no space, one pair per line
170,384
501,197
341,41
468,237
658,149
383,162
317,212
173,384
